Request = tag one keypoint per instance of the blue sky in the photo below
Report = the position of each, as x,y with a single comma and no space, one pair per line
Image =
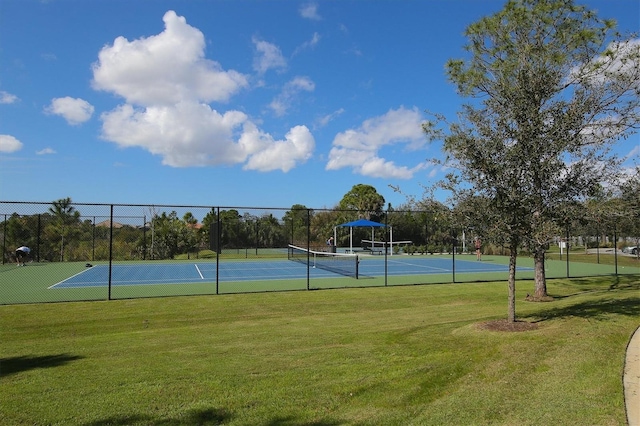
230,103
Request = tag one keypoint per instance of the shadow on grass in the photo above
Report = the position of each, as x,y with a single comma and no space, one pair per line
209,416
595,285
593,309
13,365
291,421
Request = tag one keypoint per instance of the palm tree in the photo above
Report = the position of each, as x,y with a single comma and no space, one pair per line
64,215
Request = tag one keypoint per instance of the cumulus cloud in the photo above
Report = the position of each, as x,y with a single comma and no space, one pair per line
7,98
359,148
167,84
267,56
268,155
193,134
74,110
620,60
310,11
9,144
289,93
164,69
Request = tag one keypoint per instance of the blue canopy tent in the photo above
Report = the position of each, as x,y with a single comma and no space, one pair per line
360,223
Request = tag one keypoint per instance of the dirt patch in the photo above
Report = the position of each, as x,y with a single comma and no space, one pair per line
505,325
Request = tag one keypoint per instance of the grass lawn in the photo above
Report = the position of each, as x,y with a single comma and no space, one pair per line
400,355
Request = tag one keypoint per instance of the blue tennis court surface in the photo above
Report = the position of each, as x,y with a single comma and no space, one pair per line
410,265
230,271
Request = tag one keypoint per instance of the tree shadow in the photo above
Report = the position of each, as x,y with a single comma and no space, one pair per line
14,365
209,416
592,309
594,285
291,421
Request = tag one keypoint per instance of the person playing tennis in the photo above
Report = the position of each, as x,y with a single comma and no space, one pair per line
22,253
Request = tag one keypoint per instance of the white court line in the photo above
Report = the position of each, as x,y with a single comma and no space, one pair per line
72,276
199,273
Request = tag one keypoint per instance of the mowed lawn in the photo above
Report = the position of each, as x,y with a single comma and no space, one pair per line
414,355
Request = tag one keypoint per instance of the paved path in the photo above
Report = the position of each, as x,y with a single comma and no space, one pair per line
632,380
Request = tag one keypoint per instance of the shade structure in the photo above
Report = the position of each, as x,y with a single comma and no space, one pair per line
360,223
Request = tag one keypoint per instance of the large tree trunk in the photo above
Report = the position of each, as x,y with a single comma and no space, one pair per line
513,253
540,292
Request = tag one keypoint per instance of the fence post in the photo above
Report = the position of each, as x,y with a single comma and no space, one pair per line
4,239
454,238
615,248
110,250
218,247
568,246
93,240
308,248
38,238
144,237
386,245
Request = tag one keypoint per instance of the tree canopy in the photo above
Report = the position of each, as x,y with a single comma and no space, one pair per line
365,200
552,87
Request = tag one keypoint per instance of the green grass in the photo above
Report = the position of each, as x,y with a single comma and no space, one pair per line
411,355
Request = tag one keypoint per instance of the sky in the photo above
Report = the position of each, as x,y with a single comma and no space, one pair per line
241,103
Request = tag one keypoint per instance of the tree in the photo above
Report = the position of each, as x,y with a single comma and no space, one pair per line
553,88
167,230
629,206
65,215
17,232
322,227
190,233
365,200
296,222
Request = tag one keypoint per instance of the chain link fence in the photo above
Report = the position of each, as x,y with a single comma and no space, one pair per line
110,251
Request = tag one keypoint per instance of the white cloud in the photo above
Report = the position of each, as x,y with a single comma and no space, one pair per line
164,69
310,44
7,98
49,57
193,134
359,148
310,11
167,83
267,154
268,56
634,153
74,110
46,151
289,93
620,59
187,134
9,144
323,121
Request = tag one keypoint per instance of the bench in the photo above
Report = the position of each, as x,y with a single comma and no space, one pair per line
372,250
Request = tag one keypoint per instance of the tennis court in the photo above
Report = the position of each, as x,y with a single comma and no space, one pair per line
168,273
265,270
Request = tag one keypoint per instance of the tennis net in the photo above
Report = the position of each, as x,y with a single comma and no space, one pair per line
340,263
